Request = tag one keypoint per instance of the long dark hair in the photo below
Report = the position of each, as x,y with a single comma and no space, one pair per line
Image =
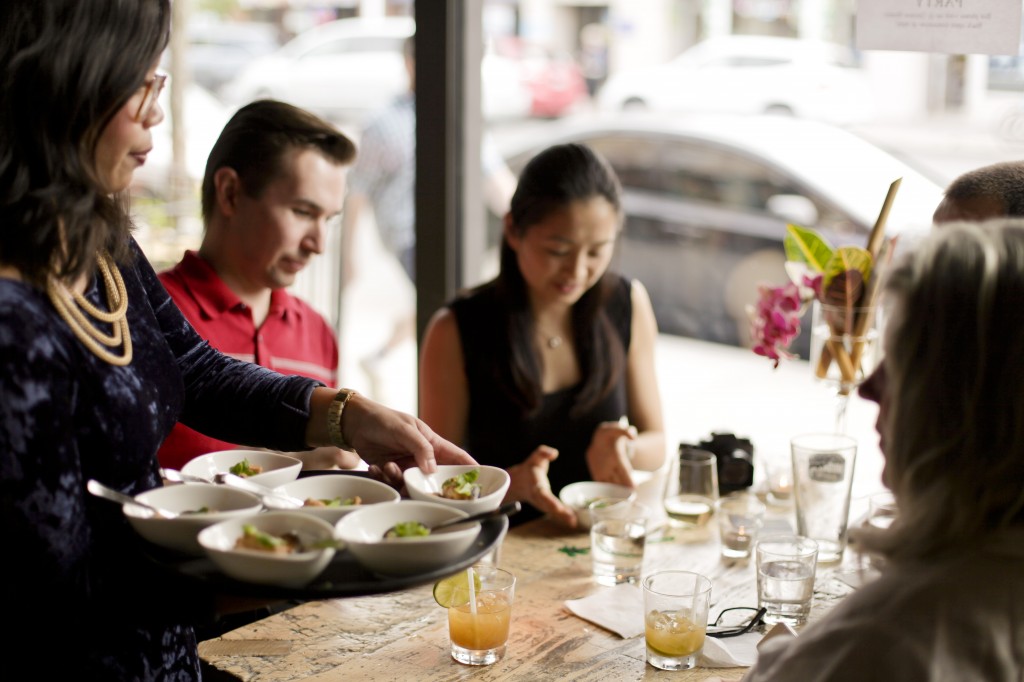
551,180
67,67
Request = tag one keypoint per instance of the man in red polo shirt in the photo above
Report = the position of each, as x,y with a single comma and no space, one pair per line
274,184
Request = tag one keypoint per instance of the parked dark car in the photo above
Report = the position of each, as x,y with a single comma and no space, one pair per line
707,201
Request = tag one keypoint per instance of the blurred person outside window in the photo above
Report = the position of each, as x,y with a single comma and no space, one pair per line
383,179
274,183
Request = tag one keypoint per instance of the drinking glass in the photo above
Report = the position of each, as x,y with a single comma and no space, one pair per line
617,538
845,349
691,502
823,476
479,629
740,517
675,618
882,510
785,577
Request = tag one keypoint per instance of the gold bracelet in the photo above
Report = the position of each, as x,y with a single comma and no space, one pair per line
334,412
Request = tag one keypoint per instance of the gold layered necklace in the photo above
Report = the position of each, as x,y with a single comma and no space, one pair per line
77,310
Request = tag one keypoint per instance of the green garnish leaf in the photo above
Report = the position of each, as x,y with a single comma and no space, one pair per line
259,536
408,529
243,468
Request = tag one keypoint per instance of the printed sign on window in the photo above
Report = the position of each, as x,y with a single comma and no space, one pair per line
947,26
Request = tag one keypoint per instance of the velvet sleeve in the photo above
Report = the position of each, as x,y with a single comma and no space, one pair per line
225,398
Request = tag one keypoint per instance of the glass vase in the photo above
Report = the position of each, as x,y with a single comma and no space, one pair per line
845,348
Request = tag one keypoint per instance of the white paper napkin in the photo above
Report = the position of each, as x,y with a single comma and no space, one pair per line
621,610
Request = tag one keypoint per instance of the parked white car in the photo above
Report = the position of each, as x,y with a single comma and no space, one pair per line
742,74
707,200
347,69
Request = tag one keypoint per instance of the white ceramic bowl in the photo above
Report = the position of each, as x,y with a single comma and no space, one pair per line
265,568
493,482
180,533
278,468
363,532
329,487
580,494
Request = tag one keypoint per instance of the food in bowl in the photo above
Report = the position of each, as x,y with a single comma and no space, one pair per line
333,502
407,529
198,505
246,469
493,483
462,486
331,496
284,548
261,541
363,531
269,469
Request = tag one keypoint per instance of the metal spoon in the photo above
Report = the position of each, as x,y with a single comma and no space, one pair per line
100,490
261,490
504,510
176,476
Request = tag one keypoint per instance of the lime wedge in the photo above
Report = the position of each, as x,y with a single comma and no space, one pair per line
454,590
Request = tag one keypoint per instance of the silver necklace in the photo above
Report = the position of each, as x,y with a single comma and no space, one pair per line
554,342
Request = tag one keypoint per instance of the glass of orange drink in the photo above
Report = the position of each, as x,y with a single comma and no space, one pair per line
478,623
675,618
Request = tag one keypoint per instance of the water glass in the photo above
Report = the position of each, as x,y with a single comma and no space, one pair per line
882,510
785,577
823,477
691,502
479,630
617,539
675,618
740,518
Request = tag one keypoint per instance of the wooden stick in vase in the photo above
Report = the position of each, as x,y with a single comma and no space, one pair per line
847,365
871,302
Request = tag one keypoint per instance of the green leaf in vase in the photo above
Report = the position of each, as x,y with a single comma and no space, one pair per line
807,246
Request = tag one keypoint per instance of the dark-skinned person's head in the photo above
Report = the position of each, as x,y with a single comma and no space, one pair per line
988,192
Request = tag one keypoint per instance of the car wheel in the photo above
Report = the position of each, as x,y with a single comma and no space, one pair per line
634,104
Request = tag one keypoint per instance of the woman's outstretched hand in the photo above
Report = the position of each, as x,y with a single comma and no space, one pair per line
530,484
392,441
608,456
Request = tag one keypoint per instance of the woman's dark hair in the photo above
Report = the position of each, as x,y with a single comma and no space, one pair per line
552,180
68,66
256,139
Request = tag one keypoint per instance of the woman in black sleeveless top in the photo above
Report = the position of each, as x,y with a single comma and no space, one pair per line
533,370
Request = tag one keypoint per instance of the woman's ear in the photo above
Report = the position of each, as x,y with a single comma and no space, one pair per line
512,235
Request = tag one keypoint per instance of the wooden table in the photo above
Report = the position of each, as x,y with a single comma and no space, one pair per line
404,635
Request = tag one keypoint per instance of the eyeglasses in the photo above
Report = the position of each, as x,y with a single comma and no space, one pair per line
153,88
736,621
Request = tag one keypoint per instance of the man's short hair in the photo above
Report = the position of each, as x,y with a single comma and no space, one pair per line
999,183
259,135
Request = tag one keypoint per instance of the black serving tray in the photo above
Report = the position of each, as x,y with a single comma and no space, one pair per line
343,577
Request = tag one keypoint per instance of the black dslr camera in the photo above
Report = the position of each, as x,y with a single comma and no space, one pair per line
735,458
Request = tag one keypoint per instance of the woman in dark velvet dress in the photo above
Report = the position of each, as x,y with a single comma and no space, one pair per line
533,370
97,364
